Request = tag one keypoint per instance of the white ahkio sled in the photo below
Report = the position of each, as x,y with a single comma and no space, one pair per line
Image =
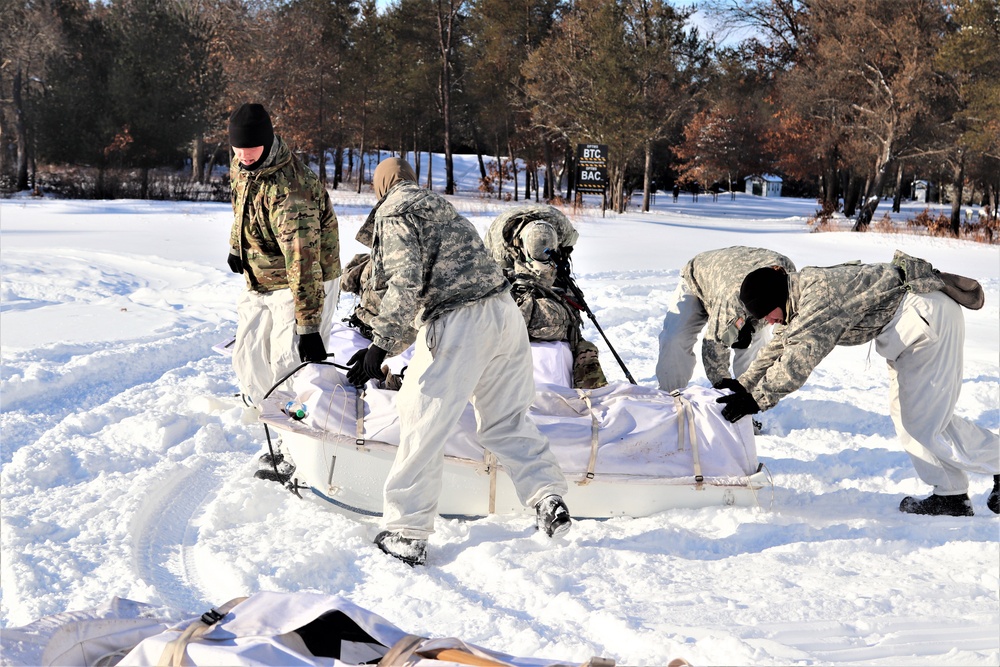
626,450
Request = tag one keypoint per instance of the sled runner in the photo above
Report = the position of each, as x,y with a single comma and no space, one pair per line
626,450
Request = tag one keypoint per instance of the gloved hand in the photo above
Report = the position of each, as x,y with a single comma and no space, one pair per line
365,364
738,406
744,338
235,263
730,384
311,347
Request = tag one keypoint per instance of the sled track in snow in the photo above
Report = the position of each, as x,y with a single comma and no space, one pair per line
166,534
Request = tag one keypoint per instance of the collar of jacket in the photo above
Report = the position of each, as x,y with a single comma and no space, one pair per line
279,156
794,292
367,231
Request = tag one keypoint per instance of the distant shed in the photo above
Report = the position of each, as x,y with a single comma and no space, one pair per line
763,185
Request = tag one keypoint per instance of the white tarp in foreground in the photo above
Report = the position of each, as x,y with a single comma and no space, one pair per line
267,628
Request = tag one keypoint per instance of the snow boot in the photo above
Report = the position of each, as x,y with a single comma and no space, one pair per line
412,551
938,505
993,502
266,466
552,516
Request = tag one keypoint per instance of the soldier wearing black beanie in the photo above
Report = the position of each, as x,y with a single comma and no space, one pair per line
250,127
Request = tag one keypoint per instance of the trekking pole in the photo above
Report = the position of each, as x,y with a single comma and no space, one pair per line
575,289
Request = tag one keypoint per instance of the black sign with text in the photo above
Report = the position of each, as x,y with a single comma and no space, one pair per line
591,168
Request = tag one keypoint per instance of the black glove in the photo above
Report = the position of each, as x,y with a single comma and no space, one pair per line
744,337
311,347
738,406
365,364
730,384
235,263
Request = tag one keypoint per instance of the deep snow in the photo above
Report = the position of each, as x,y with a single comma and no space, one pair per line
126,465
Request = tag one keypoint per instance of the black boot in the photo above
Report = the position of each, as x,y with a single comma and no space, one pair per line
993,502
938,505
275,469
552,516
411,551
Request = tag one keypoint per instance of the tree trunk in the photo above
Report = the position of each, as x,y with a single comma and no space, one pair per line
568,169
197,166
20,133
647,176
210,167
897,197
361,156
479,153
868,207
322,165
548,190
430,170
851,193
446,24
958,183
338,166
513,166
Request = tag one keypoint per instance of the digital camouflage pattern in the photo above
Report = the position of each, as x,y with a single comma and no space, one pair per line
503,239
427,260
285,231
714,277
357,280
848,304
547,314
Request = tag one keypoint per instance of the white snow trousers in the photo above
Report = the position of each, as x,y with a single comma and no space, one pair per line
684,321
266,346
923,345
479,352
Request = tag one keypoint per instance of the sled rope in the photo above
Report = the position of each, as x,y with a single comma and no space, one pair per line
173,652
685,418
594,440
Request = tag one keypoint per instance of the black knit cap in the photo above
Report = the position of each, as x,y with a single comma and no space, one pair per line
250,126
763,290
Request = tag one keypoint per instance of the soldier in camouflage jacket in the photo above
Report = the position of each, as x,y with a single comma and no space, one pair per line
912,313
285,242
439,285
707,299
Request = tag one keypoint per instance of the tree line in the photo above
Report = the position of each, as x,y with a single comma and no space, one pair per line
848,100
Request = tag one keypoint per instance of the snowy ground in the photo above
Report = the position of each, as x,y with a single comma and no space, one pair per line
126,466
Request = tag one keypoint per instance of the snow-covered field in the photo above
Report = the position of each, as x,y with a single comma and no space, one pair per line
127,467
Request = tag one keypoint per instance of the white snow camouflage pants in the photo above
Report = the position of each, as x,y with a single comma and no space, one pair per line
266,346
479,352
683,323
923,345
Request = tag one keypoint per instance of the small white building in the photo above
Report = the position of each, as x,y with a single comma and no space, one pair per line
763,185
921,191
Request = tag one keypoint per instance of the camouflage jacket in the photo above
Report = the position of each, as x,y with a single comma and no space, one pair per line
501,239
427,260
285,231
848,304
715,278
